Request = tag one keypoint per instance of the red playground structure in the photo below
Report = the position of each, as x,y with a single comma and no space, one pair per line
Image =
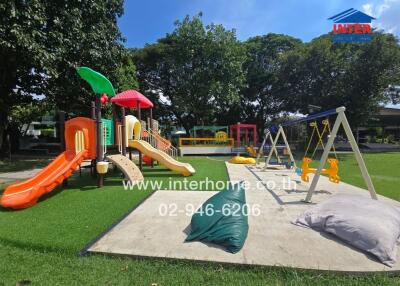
243,133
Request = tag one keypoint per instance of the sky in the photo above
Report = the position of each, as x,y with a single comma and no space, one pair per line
146,21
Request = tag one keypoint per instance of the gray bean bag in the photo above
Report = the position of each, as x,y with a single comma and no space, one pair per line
369,225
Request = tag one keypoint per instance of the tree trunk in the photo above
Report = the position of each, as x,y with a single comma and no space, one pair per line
8,80
3,133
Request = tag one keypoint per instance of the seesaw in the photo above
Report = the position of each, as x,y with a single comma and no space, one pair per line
332,171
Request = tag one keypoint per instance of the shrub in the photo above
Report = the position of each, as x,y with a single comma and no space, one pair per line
47,132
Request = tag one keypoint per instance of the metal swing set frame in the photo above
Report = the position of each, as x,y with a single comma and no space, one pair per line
341,120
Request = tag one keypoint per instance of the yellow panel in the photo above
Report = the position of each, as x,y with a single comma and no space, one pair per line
79,142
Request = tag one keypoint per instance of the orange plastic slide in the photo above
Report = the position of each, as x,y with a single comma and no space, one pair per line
26,194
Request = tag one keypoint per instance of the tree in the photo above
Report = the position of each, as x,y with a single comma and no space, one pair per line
125,74
194,73
43,42
354,75
263,98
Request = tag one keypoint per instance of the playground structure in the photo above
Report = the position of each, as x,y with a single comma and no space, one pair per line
87,139
332,171
217,140
26,194
242,134
289,163
206,140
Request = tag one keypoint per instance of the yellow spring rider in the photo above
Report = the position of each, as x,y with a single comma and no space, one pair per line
236,159
251,151
333,169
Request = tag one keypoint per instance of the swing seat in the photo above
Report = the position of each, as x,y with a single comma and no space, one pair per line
332,171
251,151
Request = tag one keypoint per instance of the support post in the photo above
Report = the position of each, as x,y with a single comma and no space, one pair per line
93,116
359,158
341,119
99,139
114,121
237,128
123,131
324,156
261,150
288,147
281,132
273,149
93,109
151,127
255,136
139,115
61,122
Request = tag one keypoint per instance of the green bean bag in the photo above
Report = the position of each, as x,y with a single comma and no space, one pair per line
222,220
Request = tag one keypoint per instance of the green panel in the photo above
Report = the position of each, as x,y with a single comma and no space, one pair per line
214,128
99,83
108,124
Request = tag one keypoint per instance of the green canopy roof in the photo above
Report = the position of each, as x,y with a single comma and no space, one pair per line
99,83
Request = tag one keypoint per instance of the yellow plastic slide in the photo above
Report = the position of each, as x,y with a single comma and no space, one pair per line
162,157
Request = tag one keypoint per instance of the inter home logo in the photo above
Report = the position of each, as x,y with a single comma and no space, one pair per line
351,26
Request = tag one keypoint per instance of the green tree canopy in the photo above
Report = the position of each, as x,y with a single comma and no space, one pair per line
262,98
354,75
194,73
43,42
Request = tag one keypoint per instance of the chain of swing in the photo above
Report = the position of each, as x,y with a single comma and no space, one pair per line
320,135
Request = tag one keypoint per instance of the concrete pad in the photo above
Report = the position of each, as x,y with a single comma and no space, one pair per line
18,176
272,239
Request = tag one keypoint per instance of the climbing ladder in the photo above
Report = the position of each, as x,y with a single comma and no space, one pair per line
130,170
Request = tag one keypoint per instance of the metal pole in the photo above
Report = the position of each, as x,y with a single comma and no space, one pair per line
114,120
93,116
359,158
255,136
139,118
237,137
151,127
273,149
123,131
61,122
260,151
99,139
288,148
93,110
324,156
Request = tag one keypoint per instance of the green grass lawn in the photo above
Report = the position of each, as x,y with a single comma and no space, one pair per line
41,244
384,169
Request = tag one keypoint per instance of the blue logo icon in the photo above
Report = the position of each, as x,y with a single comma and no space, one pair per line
351,26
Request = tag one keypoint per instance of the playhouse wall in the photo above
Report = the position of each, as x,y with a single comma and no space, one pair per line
205,150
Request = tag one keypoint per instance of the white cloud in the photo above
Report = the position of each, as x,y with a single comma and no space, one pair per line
367,8
387,13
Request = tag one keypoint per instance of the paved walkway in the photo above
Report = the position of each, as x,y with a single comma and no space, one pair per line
10,177
157,227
